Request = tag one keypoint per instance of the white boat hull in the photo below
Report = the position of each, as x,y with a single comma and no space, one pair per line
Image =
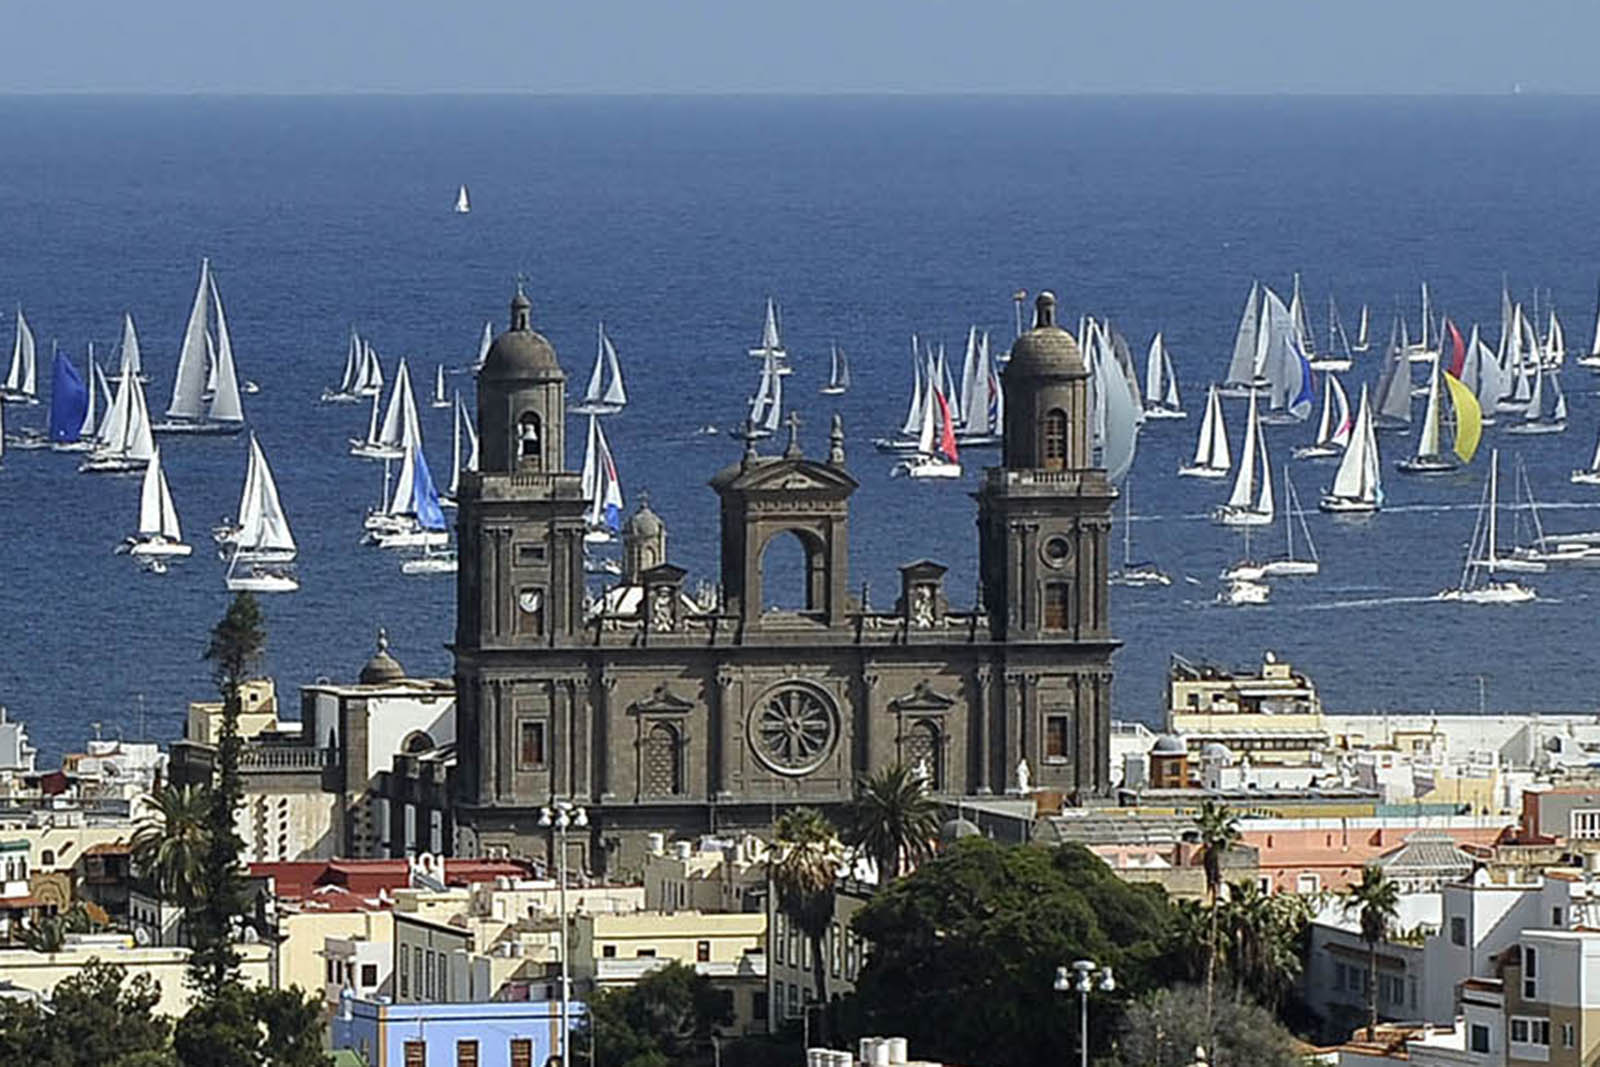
1164,414
1291,568
927,468
1339,505
1139,578
111,465
1202,472
1537,428
1318,452
1244,592
1585,478
1493,593
262,583
414,539
1244,572
1227,516
198,429
160,547
1426,465
429,565
369,451
1337,365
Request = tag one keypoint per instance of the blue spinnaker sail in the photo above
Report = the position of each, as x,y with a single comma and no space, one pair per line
69,400
425,497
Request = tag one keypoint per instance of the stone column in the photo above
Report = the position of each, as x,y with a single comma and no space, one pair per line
866,719
605,731
582,741
980,731
725,735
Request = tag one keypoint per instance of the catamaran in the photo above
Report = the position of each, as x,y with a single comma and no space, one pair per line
1333,431
1250,503
159,534
1358,484
839,371
936,455
606,394
205,365
460,461
1211,458
22,379
124,441
601,487
1473,588
772,340
463,205
1161,384
400,431
1136,575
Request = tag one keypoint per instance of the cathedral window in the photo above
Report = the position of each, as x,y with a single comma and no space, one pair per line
530,744
1055,440
1057,737
663,771
923,753
793,729
528,439
1057,605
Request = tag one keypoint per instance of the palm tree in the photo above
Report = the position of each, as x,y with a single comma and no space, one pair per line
803,866
1377,899
1219,832
1261,933
892,820
169,848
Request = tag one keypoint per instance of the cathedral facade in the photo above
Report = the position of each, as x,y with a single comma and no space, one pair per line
660,714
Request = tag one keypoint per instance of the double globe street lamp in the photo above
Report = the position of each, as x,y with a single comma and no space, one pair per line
1079,978
559,816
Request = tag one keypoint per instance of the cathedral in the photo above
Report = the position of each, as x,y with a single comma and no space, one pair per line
661,713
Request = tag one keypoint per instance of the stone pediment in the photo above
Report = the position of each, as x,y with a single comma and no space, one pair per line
662,701
923,698
776,474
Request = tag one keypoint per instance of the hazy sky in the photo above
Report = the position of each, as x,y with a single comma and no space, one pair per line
806,46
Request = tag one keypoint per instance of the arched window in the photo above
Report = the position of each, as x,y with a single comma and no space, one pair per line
663,771
529,439
418,741
787,583
48,858
1055,440
924,754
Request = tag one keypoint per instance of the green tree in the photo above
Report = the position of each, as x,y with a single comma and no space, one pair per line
257,1027
1163,1029
965,948
1262,935
96,1018
667,1018
804,868
892,820
233,651
172,843
1376,900
1219,832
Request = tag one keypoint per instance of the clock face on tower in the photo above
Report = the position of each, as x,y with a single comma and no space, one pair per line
530,600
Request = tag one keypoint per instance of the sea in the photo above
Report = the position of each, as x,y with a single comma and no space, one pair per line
868,219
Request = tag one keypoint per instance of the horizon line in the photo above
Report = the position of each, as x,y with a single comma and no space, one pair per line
817,94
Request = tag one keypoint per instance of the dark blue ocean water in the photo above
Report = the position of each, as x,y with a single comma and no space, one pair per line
672,219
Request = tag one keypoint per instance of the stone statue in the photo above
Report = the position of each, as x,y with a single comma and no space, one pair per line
923,772
661,608
1024,778
922,606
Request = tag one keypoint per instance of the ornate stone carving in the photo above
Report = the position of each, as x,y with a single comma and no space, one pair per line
793,728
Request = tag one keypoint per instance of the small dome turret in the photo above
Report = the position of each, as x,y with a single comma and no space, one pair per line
1046,350
520,353
382,668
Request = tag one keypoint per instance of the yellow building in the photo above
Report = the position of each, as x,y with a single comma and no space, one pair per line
1274,716
259,713
43,971
302,954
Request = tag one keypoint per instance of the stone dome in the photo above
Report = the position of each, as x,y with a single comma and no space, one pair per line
382,668
1169,745
1047,350
953,830
644,522
521,352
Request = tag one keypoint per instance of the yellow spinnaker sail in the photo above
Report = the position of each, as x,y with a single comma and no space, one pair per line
1469,418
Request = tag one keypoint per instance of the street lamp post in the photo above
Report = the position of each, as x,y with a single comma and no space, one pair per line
559,816
1077,979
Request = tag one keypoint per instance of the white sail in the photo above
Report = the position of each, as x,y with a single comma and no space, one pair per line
1264,500
1299,323
1428,438
588,478
189,384
763,398
400,427
225,403
1341,426
1244,482
1555,338
774,412
439,397
1362,341
484,341
111,433
616,395
1358,477
352,365
1120,413
139,442
1242,368
22,377
927,432
405,486
463,205
1211,450
770,341
131,363
157,515
1170,399
914,412
460,414
1154,369
91,419
263,527
1594,346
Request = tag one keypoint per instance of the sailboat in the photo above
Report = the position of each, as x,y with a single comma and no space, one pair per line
22,379
1426,346
1160,384
1430,457
463,205
838,372
1243,581
1211,458
766,407
1592,358
601,487
96,399
70,401
124,441
1394,383
418,520
205,365
400,430
1546,549
1337,358
440,399
982,409
1473,588
1137,575
1243,373
1546,410
485,339
1555,342
1250,503
159,534
1591,474
262,533
936,455
433,561
458,462
772,340
605,394
129,361
1293,515
355,363
1358,484
1363,342
1333,430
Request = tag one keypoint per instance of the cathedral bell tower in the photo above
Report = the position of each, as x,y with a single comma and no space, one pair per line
519,585
1044,519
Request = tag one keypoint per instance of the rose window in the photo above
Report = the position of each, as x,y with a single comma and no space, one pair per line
793,729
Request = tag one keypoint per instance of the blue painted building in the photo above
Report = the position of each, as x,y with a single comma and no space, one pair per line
487,1034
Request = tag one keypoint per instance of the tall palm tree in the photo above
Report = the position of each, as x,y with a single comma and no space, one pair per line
803,866
1219,832
1377,900
169,848
892,820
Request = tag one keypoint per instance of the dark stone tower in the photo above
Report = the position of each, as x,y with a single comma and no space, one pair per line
520,580
1044,518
